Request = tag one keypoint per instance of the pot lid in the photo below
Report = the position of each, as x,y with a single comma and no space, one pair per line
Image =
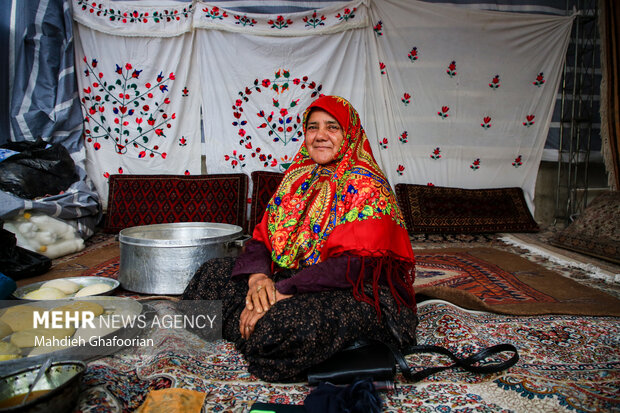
180,234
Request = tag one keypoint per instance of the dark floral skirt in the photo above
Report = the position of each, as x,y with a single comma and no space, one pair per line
300,331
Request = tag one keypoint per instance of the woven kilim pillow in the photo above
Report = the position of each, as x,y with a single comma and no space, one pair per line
159,199
434,209
264,184
596,231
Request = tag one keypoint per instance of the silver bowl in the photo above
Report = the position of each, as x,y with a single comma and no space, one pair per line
57,391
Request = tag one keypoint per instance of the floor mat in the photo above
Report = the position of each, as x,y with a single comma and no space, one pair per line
567,363
500,281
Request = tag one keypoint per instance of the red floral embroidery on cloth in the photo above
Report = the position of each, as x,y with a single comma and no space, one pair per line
100,9
312,20
126,113
347,206
281,120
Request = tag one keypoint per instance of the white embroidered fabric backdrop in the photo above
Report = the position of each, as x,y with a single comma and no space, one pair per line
448,96
472,93
258,86
140,95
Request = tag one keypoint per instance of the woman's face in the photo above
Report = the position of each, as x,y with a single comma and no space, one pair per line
324,136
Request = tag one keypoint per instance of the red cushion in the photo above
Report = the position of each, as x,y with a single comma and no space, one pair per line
157,199
264,184
435,209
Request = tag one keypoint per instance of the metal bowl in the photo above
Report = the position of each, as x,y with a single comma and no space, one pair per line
81,281
58,389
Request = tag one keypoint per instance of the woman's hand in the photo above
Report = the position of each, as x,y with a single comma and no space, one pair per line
261,293
248,321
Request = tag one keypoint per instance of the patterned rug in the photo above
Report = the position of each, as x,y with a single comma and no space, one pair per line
568,364
493,280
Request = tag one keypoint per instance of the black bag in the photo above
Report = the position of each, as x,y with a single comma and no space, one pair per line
40,168
377,361
370,359
17,262
261,407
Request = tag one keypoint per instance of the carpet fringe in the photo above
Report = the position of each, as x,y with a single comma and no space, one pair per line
593,270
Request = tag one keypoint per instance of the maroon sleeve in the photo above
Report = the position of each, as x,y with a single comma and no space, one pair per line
254,259
326,275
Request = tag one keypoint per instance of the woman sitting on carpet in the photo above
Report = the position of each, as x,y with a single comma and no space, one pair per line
330,262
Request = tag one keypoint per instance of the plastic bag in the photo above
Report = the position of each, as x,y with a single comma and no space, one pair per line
40,168
44,235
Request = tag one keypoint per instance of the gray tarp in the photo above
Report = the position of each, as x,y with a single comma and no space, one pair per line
43,103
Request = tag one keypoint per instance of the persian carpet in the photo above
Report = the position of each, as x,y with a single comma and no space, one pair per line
567,364
493,280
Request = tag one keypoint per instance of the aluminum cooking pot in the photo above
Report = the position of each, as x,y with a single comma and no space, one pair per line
162,258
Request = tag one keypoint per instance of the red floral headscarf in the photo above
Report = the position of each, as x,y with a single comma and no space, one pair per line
346,206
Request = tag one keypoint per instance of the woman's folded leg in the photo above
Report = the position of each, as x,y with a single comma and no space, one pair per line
306,329
300,331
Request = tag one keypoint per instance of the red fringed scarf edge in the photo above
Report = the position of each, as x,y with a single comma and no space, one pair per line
396,271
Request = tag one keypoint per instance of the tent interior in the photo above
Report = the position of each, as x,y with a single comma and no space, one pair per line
496,124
